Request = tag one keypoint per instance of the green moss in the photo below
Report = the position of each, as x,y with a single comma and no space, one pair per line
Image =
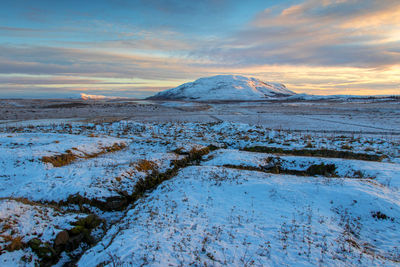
89,222
76,230
43,250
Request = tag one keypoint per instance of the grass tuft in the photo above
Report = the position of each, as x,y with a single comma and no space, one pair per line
145,165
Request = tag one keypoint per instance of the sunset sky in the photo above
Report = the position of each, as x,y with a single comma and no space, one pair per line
136,48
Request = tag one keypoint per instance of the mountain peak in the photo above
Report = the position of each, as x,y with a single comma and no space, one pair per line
225,87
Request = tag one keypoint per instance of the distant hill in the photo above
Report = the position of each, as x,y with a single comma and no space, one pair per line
225,87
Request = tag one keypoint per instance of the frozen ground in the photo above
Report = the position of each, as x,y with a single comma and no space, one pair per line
175,183
209,216
376,116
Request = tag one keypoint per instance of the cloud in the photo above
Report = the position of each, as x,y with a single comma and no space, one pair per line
17,29
23,79
90,63
359,33
183,7
36,14
315,46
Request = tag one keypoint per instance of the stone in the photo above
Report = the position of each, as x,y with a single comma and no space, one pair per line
61,238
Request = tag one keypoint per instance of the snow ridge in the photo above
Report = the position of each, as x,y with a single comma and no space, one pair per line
226,87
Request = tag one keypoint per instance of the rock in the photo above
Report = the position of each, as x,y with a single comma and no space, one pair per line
75,241
61,238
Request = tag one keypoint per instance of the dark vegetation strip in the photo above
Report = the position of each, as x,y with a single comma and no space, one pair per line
380,133
155,178
151,182
80,235
67,105
327,170
325,153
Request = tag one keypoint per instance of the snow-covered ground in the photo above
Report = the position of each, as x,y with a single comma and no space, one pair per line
378,116
96,173
210,216
228,207
386,174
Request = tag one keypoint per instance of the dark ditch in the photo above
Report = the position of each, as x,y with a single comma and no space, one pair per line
325,153
327,170
80,234
274,166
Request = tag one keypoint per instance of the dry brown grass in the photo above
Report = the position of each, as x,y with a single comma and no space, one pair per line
15,243
30,202
145,165
68,157
61,159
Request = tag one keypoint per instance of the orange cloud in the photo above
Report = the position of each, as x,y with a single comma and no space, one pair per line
318,46
389,16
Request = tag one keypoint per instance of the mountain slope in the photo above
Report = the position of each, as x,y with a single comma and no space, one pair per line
225,87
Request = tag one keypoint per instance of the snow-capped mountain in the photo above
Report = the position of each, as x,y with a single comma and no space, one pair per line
98,97
92,97
225,87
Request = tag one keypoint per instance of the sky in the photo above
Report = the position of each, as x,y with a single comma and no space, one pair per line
135,48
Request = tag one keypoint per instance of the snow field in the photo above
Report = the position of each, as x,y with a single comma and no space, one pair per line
207,214
217,216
